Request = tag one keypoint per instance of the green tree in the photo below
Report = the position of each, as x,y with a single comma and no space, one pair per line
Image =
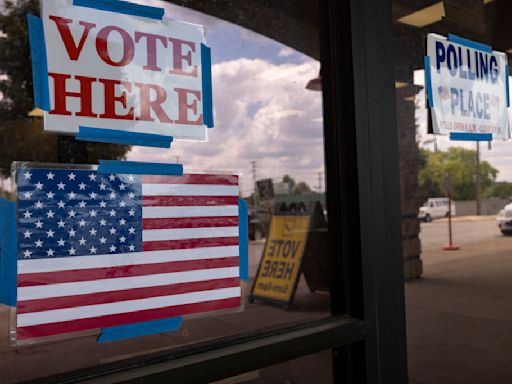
22,138
460,165
501,189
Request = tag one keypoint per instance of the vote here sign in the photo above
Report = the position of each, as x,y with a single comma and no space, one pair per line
123,72
467,86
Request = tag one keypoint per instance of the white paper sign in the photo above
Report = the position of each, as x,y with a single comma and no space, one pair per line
122,72
468,87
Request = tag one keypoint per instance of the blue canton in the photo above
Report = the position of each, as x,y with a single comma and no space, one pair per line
67,213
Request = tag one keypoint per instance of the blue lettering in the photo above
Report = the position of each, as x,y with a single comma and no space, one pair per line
487,115
484,66
463,112
439,55
463,74
471,75
450,52
479,109
493,67
454,98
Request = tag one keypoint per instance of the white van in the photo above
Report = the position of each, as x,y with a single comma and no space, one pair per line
434,208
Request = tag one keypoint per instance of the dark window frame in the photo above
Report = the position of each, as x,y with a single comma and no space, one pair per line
367,330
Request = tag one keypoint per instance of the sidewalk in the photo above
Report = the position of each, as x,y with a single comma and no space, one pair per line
459,316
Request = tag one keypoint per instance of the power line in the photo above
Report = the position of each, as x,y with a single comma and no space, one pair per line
254,181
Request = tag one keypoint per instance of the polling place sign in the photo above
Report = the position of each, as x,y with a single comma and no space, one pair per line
115,71
467,87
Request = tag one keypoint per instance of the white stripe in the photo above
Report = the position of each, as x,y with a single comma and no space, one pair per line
90,311
188,233
121,259
189,190
120,283
173,212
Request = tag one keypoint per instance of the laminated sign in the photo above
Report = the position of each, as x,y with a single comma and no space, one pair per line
98,250
113,71
467,87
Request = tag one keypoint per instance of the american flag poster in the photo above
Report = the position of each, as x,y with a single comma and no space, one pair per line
99,250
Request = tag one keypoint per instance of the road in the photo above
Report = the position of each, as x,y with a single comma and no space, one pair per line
466,230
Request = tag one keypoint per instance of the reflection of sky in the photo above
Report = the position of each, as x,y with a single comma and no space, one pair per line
262,110
499,155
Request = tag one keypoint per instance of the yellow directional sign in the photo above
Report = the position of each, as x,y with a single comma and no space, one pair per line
280,264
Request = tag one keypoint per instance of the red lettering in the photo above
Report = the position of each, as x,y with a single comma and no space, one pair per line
111,99
184,106
85,95
178,57
146,104
151,49
72,49
102,46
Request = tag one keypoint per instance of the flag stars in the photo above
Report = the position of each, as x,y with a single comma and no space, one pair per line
72,196
122,222
61,223
131,195
61,186
93,250
92,177
112,213
103,222
82,186
72,176
61,242
131,179
82,223
50,195
72,213
112,231
122,239
93,195
122,204
61,204
27,254
122,187
93,232
93,213
39,224
131,248
27,234
38,244
50,252
27,195
131,212
82,241
50,233
72,251
27,215
103,186
113,248
82,204
50,176
39,186
112,195
131,230
72,233
39,205
112,177
103,240
27,175
50,214
103,204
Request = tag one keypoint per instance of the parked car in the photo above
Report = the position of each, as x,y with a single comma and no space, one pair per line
504,220
435,208
259,223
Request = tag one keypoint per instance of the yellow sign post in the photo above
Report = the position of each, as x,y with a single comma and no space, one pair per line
280,265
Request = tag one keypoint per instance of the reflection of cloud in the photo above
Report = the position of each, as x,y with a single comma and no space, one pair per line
286,52
262,112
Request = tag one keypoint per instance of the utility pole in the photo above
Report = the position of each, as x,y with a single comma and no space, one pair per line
477,179
320,182
254,181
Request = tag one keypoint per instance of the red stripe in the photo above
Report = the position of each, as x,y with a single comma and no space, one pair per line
124,318
190,222
181,201
46,278
188,243
127,294
191,179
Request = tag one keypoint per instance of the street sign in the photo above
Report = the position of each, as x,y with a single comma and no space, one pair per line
120,73
467,87
265,189
448,184
280,265
282,189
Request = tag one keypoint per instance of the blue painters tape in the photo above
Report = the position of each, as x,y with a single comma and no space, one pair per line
122,137
122,332
428,82
469,43
8,259
243,242
39,63
206,74
464,136
123,7
507,86
139,168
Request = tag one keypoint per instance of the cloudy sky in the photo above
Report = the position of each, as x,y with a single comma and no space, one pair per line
262,110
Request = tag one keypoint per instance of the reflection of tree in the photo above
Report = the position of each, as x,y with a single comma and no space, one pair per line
22,138
300,188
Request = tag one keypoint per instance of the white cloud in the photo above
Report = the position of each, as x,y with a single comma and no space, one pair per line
286,52
262,112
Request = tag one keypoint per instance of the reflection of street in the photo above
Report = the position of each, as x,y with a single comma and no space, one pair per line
459,314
